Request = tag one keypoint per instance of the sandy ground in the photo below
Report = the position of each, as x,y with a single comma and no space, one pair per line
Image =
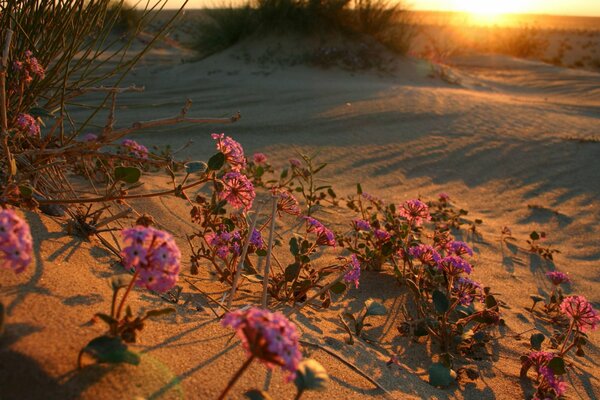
516,143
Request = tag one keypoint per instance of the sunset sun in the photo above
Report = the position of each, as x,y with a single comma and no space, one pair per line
490,9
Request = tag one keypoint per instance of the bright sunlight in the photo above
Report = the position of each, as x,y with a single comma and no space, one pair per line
489,11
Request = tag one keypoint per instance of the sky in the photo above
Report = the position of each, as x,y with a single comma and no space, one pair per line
556,7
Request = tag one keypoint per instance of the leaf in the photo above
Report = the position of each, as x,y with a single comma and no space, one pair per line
254,278
490,301
159,312
127,174
216,162
557,365
292,271
440,375
256,394
440,301
536,298
261,252
534,235
359,189
40,112
108,349
119,281
311,376
195,166
374,308
294,248
106,318
338,288
331,193
26,191
536,340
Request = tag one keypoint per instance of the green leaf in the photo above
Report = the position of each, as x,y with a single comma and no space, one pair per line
374,308
536,298
557,365
294,248
159,312
536,340
127,174
490,301
359,189
338,288
256,394
260,171
195,166
440,301
311,376
108,349
440,375
292,271
534,235
216,162
26,191
261,252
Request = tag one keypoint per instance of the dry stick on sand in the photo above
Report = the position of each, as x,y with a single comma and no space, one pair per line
269,251
238,272
3,68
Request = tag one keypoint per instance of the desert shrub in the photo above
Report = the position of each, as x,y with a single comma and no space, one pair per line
126,18
525,42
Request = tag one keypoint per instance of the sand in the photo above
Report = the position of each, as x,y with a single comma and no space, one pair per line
515,143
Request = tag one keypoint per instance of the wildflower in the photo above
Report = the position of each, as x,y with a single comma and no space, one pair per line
581,311
238,191
415,212
353,275
16,245
28,124
259,158
286,202
538,359
441,238
361,225
454,265
552,381
135,149
444,197
557,277
294,162
382,235
90,137
371,198
467,290
256,239
29,67
268,336
154,256
233,151
225,243
324,236
458,248
425,253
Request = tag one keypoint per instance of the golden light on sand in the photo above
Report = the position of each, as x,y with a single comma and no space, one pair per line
490,11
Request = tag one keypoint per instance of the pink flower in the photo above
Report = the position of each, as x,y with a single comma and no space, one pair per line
286,202
16,245
90,137
353,275
237,190
325,237
382,235
426,254
454,265
29,67
415,212
581,311
225,243
466,290
557,277
268,336
361,225
135,149
259,158
444,197
294,162
552,381
458,248
26,123
233,151
154,256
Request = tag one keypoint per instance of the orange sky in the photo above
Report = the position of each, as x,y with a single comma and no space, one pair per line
557,7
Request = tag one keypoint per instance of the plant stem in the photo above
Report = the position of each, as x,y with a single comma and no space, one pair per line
236,377
122,303
567,338
269,251
299,394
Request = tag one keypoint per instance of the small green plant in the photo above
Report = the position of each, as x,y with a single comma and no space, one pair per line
371,308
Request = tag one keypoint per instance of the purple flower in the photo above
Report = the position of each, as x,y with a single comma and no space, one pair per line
444,197
16,245
294,162
233,151
381,235
415,212
90,137
361,225
353,275
425,253
238,191
224,243
581,311
557,277
325,237
154,256
466,290
259,158
268,336
286,202
454,266
458,248
552,381
256,239
135,149
26,123
371,198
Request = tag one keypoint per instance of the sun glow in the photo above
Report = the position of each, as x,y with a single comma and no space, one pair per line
490,10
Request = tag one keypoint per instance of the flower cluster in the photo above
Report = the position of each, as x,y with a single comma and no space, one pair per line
28,124
581,312
381,235
353,275
467,290
225,243
29,67
233,151
557,277
237,190
286,202
458,248
551,382
426,254
361,225
135,149
154,256
259,158
415,212
268,336
454,266
16,244
325,236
